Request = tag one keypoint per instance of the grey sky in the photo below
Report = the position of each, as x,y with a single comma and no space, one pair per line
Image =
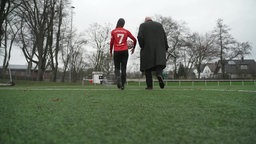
200,16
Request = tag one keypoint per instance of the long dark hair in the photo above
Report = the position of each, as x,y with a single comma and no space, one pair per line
120,23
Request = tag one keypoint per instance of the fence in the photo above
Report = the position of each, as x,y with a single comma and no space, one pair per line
142,82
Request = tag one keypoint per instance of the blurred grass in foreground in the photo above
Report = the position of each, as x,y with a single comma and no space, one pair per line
48,113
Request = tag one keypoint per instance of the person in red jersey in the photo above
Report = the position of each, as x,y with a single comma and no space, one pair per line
118,43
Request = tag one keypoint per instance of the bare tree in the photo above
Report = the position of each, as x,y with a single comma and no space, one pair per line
99,37
78,62
72,54
35,22
57,31
65,46
8,31
177,34
53,51
225,41
241,50
203,49
187,55
5,6
40,36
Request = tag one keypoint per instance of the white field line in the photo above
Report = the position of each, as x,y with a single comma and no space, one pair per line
127,89
247,91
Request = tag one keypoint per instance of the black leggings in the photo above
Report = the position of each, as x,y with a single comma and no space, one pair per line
120,62
148,74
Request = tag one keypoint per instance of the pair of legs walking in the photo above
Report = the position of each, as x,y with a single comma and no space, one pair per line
120,62
149,80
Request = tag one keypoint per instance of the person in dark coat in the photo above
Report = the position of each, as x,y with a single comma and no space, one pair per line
153,42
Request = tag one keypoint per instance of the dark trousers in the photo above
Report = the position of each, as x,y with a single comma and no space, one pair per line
148,74
120,62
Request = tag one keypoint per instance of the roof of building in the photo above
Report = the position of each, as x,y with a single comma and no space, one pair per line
212,66
235,66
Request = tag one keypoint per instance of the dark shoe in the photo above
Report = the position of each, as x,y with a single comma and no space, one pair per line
118,85
161,82
122,86
118,82
148,88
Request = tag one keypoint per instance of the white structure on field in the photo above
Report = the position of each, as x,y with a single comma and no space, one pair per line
97,77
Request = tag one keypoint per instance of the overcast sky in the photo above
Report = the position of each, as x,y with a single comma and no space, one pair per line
200,15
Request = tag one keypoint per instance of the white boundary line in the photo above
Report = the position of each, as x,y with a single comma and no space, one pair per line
129,89
248,91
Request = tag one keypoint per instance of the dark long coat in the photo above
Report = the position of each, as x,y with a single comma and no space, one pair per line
153,42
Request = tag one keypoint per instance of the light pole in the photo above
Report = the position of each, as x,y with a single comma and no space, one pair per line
71,45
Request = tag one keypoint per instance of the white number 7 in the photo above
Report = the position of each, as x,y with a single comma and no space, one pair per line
121,36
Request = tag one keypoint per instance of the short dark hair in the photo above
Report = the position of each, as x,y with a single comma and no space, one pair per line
120,23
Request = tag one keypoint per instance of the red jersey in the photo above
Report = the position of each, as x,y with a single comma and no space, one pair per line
119,39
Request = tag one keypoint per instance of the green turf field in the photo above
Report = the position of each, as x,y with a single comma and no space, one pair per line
48,113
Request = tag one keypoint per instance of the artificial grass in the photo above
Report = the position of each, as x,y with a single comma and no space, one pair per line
103,114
